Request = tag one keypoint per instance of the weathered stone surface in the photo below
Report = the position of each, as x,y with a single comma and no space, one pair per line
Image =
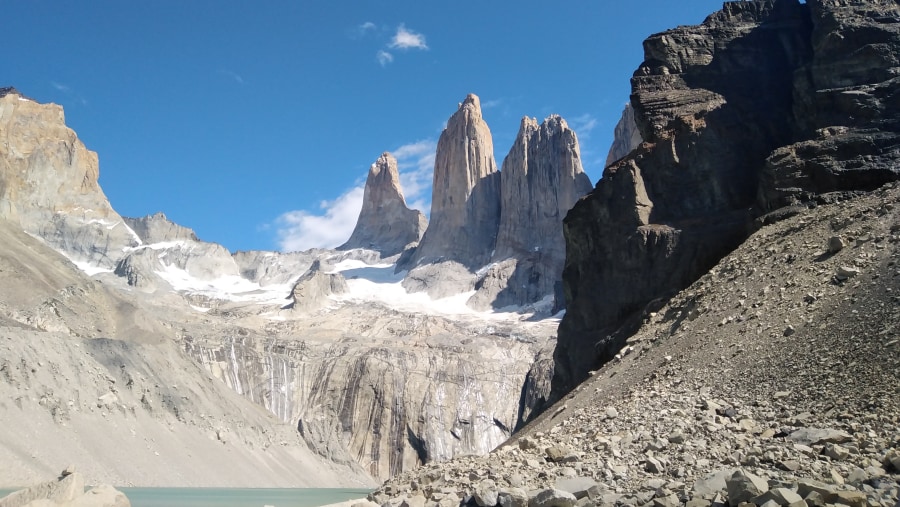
552,498
812,436
385,223
743,486
465,203
541,179
67,491
313,288
626,136
718,154
49,184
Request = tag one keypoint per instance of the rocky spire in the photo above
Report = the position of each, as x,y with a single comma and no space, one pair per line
385,223
626,137
465,206
541,180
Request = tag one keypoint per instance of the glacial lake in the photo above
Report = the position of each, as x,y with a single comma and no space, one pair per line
235,497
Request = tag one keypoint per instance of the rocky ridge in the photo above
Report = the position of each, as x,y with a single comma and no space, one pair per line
718,154
772,380
385,223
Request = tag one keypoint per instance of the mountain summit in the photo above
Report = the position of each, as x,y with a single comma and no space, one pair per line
465,206
385,222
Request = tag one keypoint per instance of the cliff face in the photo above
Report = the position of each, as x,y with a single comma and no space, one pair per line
767,103
626,136
383,389
48,184
465,204
541,178
385,223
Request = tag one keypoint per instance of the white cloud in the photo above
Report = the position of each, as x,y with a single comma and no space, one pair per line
302,230
384,57
583,125
416,164
59,86
407,39
365,27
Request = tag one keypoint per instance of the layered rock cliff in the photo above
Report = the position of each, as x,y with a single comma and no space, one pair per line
385,223
765,104
465,203
541,178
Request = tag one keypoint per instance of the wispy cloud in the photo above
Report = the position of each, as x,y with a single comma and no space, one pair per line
233,75
362,30
384,57
416,164
583,125
302,230
407,39
72,94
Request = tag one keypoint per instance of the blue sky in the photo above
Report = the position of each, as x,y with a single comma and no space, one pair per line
255,123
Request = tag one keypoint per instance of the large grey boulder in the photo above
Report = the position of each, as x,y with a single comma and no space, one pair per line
385,222
67,491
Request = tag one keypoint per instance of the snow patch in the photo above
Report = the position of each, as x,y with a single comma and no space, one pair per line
230,288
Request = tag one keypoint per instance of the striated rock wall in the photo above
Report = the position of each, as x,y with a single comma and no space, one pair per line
626,136
392,392
541,179
735,114
465,203
385,223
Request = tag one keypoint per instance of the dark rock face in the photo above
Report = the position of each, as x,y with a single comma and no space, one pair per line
465,205
385,223
541,180
766,104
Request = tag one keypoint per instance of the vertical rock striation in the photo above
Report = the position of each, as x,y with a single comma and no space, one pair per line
385,223
626,136
541,180
465,205
767,103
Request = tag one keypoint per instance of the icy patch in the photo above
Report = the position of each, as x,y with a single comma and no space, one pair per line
378,282
88,268
230,288
201,309
162,245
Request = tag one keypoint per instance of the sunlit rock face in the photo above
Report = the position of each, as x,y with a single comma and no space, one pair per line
541,179
385,223
766,104
626,136
465,203
48,184
394,391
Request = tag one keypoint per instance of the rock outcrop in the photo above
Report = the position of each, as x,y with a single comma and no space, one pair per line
66,491
465,203
312,289
385,223
719,152
48,184
626,136
541,179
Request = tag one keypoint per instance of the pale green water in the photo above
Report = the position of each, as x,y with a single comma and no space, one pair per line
235,497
